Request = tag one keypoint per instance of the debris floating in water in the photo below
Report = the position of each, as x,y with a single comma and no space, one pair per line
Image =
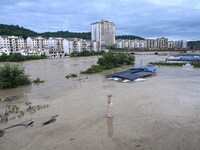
51,120
140,80
13,111
2,133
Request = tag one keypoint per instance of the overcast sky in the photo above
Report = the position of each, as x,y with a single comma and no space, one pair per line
174,19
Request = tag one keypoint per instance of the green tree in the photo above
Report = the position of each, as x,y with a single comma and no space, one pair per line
12,76
110,61
116,59
16,57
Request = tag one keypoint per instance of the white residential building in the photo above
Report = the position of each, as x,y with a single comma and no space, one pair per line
36,45
104,32
130,43
1,42
183,44
12,43
173,44
66,46
37,42
57,47
152,44
79,45
157,43
4,51
96,46
51,42
74,45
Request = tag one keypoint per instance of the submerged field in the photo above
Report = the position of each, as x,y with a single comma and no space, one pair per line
160,113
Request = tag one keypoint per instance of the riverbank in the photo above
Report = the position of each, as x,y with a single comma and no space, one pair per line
17,57
193,63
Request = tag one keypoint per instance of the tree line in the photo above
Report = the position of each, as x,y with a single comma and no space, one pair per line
20,31
193,44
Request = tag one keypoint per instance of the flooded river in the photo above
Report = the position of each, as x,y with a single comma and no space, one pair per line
161,113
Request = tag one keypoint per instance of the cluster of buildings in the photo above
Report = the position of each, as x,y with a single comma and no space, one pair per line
102,35
51,47
104,32
152,44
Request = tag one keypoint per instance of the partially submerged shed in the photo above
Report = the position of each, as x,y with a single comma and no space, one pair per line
134,73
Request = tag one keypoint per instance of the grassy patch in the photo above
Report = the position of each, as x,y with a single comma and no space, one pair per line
166,64
97,68
194,63
71,76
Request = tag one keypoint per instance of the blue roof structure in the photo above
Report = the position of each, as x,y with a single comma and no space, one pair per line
185,57
134,73
146,68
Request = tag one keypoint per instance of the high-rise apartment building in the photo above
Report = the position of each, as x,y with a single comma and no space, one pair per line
104,32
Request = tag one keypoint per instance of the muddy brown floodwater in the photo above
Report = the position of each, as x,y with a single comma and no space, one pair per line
161,113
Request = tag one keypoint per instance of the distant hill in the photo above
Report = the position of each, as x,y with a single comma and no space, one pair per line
16,30
129,37
20,31
67,34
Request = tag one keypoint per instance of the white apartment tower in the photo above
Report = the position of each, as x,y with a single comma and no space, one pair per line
104,32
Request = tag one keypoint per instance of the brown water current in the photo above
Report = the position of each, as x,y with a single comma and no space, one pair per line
161,113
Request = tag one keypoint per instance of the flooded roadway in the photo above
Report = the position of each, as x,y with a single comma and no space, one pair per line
162,112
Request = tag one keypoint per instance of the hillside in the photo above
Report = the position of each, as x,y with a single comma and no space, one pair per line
20,31
67,34
129,37
16,30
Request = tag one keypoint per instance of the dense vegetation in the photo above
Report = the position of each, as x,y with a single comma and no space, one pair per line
193,44
97,68
20,31
67,34
17,57
86,53
16,30
12,76
110,61
194,63
129,37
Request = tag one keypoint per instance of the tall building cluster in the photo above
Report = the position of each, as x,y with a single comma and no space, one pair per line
102,35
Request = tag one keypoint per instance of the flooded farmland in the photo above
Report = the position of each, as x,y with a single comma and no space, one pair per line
161,113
